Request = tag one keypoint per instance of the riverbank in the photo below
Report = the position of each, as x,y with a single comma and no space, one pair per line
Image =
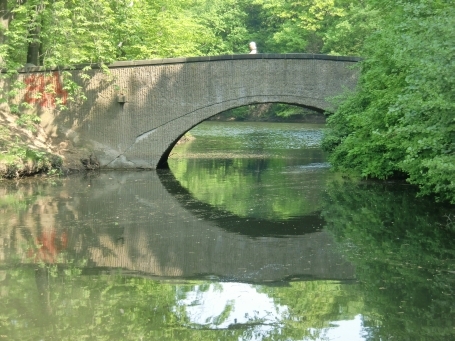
23,150
26,150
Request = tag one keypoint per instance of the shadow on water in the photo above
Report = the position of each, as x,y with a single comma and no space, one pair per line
248,226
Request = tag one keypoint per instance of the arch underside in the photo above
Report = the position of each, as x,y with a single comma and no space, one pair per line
188,121
163,160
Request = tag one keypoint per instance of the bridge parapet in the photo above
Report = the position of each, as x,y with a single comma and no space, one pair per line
163,61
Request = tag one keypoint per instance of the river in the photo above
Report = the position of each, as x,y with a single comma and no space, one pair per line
248,236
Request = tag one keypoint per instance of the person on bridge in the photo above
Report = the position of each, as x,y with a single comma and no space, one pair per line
253,48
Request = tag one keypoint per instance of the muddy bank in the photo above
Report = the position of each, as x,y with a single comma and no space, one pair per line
186,138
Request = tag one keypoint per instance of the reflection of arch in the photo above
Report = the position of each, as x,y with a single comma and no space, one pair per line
168,239
250,226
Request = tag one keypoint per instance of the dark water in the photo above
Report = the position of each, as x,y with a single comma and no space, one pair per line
248,236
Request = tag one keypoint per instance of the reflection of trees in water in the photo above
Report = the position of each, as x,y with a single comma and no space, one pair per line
57,296
314,306
253,170
266,188
404,255
31,219
43,294
250,225
45,303
402,247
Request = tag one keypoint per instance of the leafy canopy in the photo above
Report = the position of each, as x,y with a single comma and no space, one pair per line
401,119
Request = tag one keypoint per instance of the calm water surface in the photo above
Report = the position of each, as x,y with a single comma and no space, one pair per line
248,236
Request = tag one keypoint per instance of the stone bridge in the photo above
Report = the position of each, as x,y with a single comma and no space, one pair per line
136,112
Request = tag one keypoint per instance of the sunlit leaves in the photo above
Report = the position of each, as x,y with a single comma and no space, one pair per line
401,121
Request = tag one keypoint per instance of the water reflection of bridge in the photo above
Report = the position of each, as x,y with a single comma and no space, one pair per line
145,223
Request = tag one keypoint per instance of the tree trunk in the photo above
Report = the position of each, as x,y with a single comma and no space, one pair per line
34,45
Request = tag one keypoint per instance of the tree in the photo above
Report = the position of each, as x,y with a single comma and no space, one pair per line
297,26
345,34
401,119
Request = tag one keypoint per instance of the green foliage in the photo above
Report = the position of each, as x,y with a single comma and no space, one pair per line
18,159
162,29
399,122
239,114
74,90
226,20
28,121
62,33
266,112
285,111
69,33
335,26
315,305
346,33
402,118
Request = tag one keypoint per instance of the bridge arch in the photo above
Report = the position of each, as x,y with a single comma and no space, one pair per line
210,111
134,115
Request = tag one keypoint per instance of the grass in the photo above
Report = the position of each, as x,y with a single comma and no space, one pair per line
18,159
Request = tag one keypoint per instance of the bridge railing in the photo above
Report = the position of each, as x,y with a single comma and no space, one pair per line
162,61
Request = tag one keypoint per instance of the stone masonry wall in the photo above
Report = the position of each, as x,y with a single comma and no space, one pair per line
134,114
